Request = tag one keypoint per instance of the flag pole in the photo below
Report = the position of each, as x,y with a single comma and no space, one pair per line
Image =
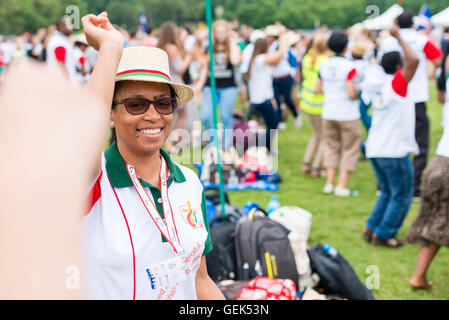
214,105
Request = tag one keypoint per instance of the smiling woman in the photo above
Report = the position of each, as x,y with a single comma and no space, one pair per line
140,241
142,115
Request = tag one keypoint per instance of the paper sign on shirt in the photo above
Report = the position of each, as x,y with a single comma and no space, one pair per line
166,273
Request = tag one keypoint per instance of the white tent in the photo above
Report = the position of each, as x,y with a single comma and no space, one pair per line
385,20
441,18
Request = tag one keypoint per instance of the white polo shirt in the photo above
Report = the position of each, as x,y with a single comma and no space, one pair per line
122,244
334,73
392,132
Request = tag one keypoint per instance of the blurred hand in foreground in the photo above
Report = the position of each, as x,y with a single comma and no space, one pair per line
51,133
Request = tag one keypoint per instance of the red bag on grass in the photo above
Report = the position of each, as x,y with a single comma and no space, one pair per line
263,288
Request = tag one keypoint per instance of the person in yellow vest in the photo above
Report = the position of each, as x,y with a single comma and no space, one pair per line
312,104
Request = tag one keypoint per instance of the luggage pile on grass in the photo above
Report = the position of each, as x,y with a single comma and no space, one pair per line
261,256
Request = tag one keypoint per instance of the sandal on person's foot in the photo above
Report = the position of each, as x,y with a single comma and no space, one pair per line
367,234
305,168
391,243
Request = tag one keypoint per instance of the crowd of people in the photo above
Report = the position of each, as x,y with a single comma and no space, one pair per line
333,77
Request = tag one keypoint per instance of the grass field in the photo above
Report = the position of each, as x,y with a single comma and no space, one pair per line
340,221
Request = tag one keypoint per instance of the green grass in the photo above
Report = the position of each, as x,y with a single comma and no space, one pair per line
340,221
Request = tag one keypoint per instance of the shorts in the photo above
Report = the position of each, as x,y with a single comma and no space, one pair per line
341,144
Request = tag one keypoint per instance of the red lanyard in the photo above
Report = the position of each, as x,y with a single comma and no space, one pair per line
167,227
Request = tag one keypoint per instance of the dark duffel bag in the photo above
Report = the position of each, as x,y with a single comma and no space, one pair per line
336,275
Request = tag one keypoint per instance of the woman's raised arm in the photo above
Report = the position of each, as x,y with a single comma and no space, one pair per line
108,41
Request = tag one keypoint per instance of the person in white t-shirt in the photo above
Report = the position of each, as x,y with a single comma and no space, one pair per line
8,47
359,51
283,81
247,53
341,116
60,49
391,140
419,86
430,229
260,84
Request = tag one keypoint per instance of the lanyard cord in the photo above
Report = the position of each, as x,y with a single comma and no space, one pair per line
167,228
130,239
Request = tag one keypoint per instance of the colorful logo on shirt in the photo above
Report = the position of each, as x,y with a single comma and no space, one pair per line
190,216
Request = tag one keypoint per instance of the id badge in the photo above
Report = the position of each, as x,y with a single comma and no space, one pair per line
168,272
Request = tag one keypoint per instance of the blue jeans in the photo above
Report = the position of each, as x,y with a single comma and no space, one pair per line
395,178
271,121
364,116
226,98
366,120
283,87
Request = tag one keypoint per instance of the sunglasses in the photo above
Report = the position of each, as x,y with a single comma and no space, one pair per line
136,106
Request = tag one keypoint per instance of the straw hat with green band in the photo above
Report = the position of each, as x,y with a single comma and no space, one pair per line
151,65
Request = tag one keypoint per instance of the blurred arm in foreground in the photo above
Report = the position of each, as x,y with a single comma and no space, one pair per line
51,133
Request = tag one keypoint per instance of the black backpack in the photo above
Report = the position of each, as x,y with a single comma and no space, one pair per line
213,194
262,249
336,275
221,261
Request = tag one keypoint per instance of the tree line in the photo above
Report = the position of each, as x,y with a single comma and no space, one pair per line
18,16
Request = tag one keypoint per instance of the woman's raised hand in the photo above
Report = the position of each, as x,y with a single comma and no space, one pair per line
102,36
100,32
283,41
395,32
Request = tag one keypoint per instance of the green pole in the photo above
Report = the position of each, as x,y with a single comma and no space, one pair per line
214,104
